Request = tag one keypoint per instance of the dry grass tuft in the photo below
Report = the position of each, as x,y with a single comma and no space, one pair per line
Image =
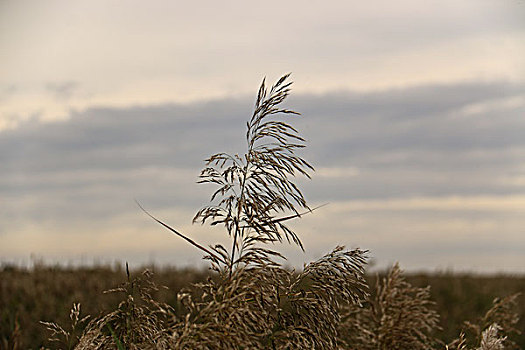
139,322
397,316
491,331
67,339
253,308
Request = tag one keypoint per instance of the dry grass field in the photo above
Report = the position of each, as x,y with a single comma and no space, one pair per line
47,293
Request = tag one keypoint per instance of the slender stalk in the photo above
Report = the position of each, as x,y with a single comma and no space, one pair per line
239,211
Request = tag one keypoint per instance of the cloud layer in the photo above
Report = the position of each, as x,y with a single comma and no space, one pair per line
431,175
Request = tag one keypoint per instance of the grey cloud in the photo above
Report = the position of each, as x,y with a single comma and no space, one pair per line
125,138
418,118
403,141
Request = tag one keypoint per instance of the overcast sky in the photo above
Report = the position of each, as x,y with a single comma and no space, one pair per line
414,114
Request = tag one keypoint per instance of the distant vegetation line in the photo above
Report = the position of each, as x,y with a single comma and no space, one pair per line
28,296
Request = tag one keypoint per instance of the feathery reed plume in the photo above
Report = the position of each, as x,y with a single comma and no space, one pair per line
139,322
255,187
398,316
268,307
492,330
67,339
490,339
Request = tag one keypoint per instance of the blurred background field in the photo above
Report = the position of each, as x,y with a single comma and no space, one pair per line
46,293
